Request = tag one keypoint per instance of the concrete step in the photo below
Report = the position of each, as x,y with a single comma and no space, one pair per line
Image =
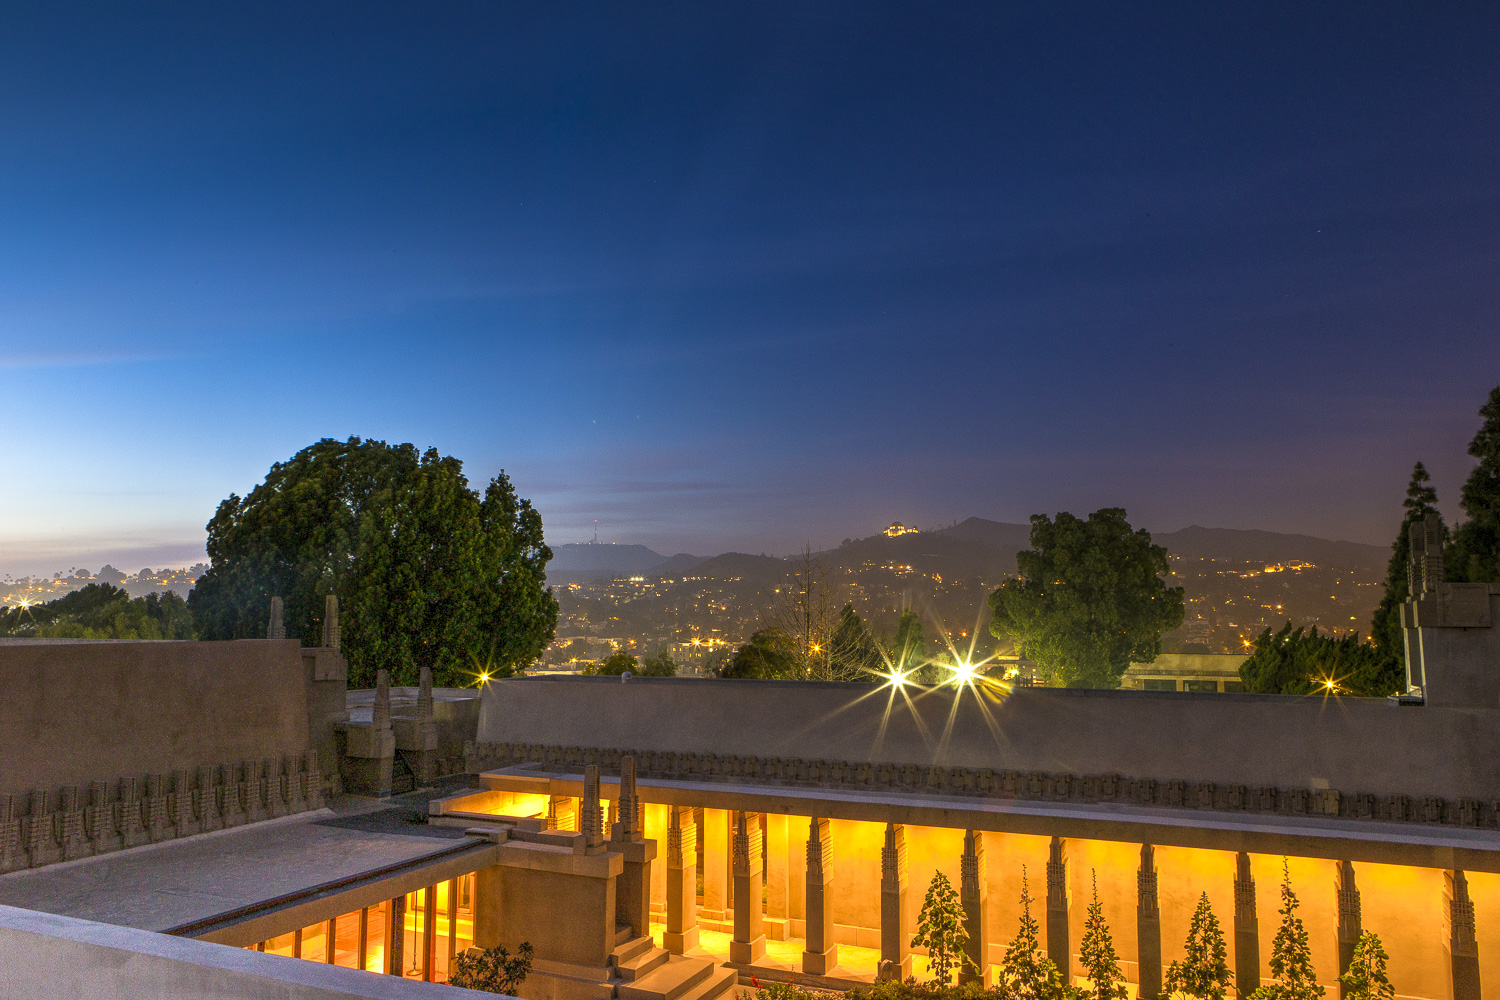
642,965
671,981
622,934
720,982
630,948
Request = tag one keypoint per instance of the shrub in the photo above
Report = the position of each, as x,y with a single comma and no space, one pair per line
492,969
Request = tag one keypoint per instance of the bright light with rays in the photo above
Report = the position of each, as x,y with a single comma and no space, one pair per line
964,673
896,678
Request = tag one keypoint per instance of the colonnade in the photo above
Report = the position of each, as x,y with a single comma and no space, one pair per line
1053,906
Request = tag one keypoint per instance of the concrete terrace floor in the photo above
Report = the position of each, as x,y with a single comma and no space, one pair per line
160,886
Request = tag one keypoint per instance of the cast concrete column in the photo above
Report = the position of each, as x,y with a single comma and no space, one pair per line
1463,951
1057,908
633,887
590,816
275,627
429,932
1148,926
1246,930
331,622
820,955
1349,919
972,893
749,942
395,935
682,881
383,739
895,959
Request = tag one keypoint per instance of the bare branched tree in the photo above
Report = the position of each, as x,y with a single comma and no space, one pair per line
807,608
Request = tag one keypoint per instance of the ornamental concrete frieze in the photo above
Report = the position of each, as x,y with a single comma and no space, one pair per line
46,827
1172,793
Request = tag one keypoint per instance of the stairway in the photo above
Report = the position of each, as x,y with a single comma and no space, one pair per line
646,972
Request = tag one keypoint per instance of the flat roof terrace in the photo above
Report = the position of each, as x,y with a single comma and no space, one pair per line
252,883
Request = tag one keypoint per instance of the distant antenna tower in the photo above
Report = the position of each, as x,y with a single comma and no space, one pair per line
596,531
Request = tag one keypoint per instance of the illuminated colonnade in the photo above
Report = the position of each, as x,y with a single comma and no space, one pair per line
863,873
839,897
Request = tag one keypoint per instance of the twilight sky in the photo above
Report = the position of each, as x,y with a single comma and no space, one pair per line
744,276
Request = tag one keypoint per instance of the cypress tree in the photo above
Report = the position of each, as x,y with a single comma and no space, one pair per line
1291,955
940,929
1204,971
1385,625
1100,963
1475,552
1025,974
1366,978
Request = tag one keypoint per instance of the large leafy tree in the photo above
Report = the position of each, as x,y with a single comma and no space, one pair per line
1203,972
427,571
940,929
1475,552
1385,625
1091,598
1291,954
1301,661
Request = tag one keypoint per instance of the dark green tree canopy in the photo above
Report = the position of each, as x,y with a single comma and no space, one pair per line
1091,598
613,665
660,665
102,611
1385,625
770,654
1301,661
427,571
620,662
908,650
855,655
1475,552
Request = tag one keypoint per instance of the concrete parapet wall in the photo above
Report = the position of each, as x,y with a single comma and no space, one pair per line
77,712
44,827
1352,758
50,956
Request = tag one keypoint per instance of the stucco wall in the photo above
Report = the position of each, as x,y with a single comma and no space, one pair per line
75,712
1355,745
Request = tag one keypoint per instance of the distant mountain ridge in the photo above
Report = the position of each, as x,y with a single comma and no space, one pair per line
1198,542
977,547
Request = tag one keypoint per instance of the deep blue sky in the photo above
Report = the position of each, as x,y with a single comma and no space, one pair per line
744,276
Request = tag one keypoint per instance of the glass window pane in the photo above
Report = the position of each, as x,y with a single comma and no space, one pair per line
315,942
380,917
280,945
346,940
